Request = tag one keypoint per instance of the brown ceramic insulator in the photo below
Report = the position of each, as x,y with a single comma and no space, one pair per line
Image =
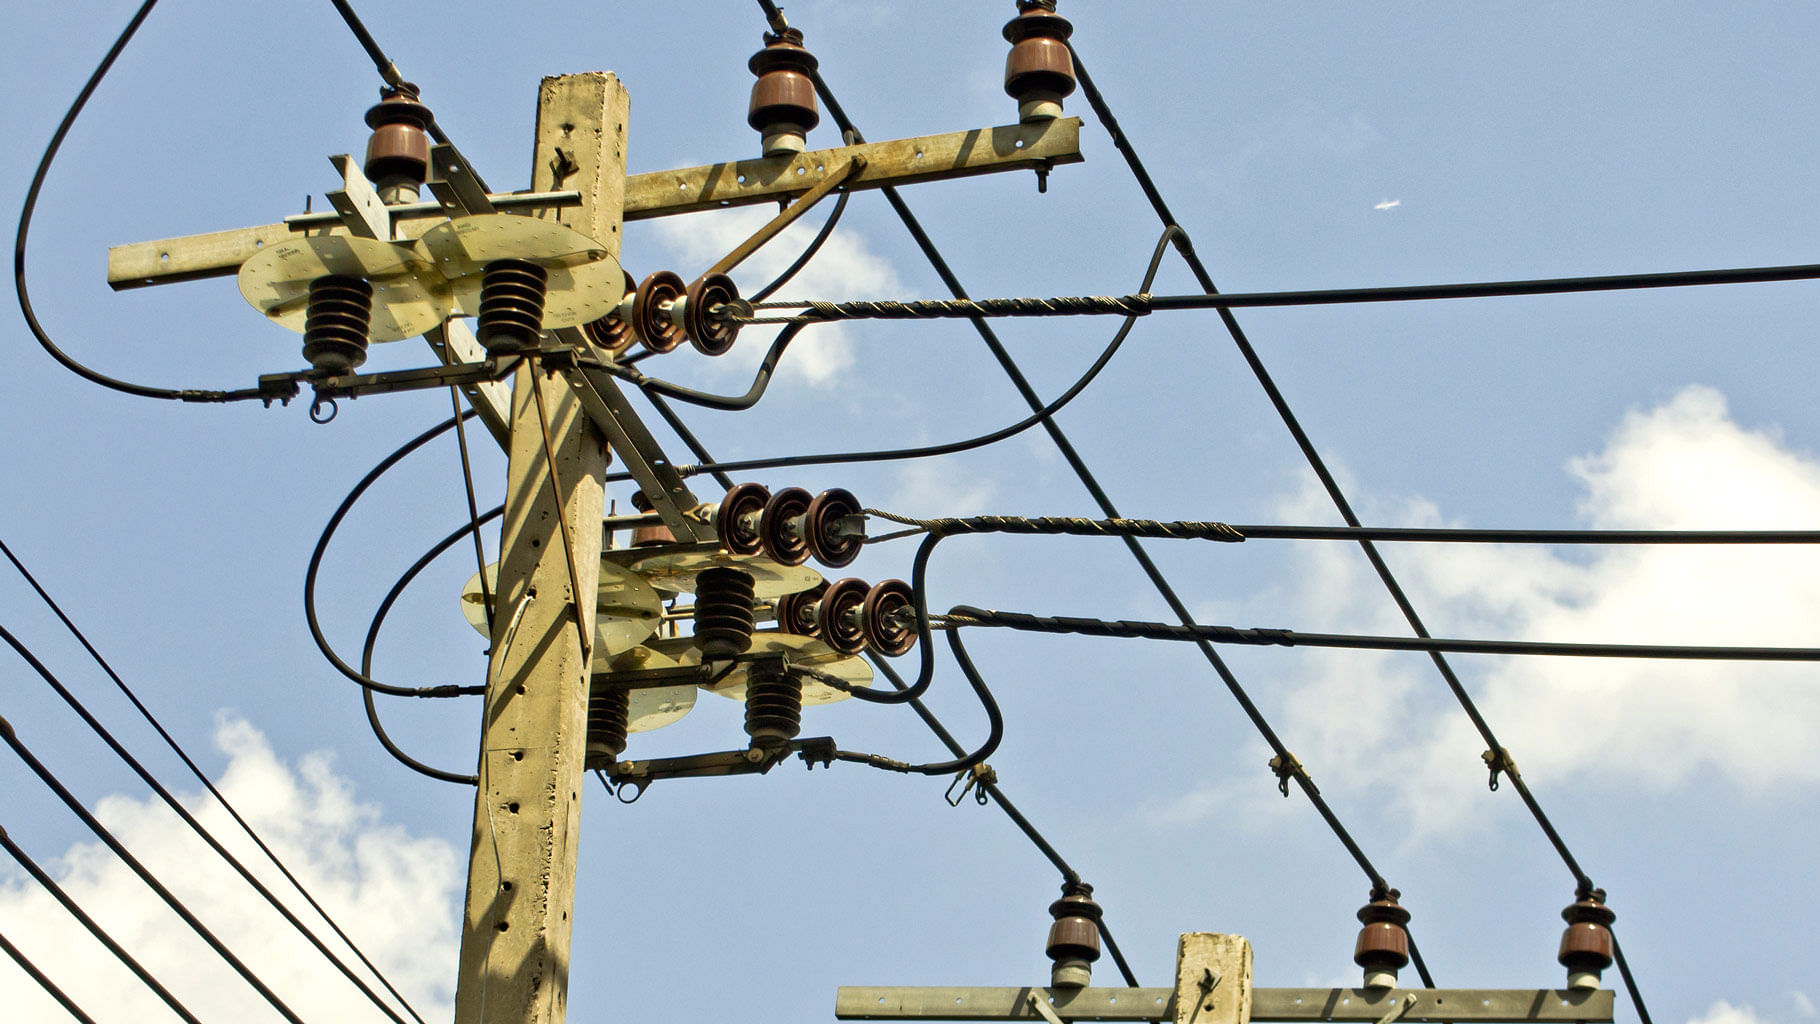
780,527
1383,945
733,519
511,304
651,311
1586,945
652,536
798,613
1074,938
336,323
1039,65
608,713
611,332
711,335
399,148
783,98
841,617
889,630
824,515
774,707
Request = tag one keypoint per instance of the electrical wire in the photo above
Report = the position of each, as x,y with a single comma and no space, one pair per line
725,403
467,479
75,910
995,718
322,545
1040,415
809,252
202,777
25,227
1073,458
1142,303
44,981
94,825
196,826
970,616
1104,112
583,635
366,654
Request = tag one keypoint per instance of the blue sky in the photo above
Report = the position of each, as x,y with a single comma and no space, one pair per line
1300,146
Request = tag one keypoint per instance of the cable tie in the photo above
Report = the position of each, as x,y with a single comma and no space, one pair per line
1501,761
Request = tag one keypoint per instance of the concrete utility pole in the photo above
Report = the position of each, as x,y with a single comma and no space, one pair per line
521,870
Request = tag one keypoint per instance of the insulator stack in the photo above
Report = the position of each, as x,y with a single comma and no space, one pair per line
1586,945
335,327
723,612
781,527
736,519
1074,938
615,332
774,707
834,529
608,715
511,304
1383,946
889,613
796,613
841,616
711,335
783,99
398,152
1039,70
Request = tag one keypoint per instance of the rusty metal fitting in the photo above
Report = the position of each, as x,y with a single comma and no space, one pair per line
1074,938
783,99
1586,945
1039,71
398,152
652,536
1383,946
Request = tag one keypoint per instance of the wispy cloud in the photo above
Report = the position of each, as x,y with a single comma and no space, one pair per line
1723,1012
392,892
1388,204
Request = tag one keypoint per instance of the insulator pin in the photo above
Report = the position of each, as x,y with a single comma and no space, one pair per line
1586,945
782,109
1383,946
337,322
1074,938
1039,70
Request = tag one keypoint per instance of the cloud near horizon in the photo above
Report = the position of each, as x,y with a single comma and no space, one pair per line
1384,723
393,893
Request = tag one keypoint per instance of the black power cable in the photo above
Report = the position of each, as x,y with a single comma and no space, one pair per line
25,227
1104,112
969,616
75,910
44,981
1073,458
366,653
964,761
322,546
145,875
196,826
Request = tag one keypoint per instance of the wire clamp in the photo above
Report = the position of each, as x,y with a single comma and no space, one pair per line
1499,762
981,775
1287,767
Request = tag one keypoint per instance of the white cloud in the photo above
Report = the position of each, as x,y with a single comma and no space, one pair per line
1385,723
1388,204
1803,1005
936,487
1723,1012
392,893
845,268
